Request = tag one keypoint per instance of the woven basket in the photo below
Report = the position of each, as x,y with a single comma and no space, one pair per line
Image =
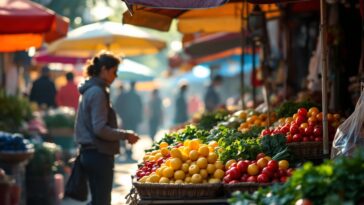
307,150
243,187
178,191
15,157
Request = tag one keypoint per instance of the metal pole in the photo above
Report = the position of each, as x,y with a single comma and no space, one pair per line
254,73
242,75
324,77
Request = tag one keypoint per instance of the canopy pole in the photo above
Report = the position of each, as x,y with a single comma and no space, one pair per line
324,77
242,75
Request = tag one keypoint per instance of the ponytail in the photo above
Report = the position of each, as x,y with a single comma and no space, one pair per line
106,59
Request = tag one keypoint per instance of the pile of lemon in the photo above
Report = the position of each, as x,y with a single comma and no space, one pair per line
191,163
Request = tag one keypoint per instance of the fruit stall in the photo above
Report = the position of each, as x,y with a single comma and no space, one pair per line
223,152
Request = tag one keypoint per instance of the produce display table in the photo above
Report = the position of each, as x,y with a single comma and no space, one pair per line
219,201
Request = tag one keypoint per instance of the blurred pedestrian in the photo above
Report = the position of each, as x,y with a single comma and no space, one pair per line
96,128
134,109
120,103
155,117
68,94
212,98
43,91
181,115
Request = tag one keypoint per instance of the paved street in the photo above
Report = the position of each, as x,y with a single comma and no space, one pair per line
122,173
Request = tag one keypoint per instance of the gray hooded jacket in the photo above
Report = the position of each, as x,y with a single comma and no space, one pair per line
96,121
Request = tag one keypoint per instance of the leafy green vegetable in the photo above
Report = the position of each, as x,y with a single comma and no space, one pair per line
275,146
209,120
289,108
333,182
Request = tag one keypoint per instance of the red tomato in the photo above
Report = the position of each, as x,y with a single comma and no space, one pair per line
293,129
297,138
233,182
289,138
252,179
317,131
234,173
282,172
302,111
242,166
305,139
260,155
265,132
300,119
308,131
227,179
273,165
268,171
290,171
283,179
262,178
303,202
244,178
318,139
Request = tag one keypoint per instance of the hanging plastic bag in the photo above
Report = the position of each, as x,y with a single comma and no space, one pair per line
350,134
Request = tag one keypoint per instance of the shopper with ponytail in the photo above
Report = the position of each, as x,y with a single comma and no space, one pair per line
96,127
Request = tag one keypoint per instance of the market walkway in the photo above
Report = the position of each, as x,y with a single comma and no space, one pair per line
123,171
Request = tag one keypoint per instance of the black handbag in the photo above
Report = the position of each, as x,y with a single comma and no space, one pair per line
76,187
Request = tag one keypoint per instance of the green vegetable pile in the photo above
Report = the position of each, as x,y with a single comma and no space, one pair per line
289,108
209,120
334,182
14,111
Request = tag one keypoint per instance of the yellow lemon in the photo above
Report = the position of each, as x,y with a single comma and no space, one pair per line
185,167
210,168
175,152
188,162
219,165
188,179
212,157
193,169
168,172
193,155
196,178
204,173
179,181
203,151
153,179
201,162
179,174
194,144
218,174
213,180
176,163
164,151
164,180
186,143
157,156
186,151
163,145
143,179
168,162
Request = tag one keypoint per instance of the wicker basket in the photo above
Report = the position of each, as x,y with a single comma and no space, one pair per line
16,157
308,150
178,191
243,187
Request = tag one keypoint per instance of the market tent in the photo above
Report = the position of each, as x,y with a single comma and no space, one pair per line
88,40
25,24
129,70
226,18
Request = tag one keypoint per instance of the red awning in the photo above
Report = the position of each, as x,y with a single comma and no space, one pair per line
23,16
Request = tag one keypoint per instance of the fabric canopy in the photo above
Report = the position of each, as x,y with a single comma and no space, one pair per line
88,40
25,24
225,18
179,4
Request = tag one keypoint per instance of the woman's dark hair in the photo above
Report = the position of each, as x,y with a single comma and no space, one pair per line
103,59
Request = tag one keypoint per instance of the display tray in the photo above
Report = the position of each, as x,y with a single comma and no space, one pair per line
308,150
15,156
244,187
178,191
